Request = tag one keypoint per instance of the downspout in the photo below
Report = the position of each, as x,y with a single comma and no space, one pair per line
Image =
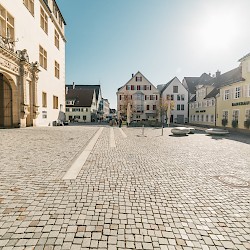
215,111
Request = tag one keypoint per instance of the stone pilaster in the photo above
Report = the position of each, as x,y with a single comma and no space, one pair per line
24,107
35,77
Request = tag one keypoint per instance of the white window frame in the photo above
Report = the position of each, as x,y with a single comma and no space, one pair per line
234,112
225,114
226,94
237,93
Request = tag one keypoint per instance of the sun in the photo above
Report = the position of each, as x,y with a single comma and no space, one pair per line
219,27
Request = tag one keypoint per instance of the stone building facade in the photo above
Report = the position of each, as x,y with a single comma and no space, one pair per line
32,63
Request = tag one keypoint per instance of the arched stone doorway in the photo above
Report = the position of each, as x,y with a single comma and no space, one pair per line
6,116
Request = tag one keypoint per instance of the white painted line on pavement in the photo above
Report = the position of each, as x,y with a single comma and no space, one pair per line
122,132
112,138
77,165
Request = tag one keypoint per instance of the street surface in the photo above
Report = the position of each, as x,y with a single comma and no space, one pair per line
133,191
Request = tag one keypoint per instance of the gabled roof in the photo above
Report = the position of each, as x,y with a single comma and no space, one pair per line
232,76
192,82
82,97
167,84
212,93
247,55
133,78
193,99
97,88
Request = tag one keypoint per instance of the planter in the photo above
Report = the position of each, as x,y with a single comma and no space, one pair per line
224,122
235,123
247,123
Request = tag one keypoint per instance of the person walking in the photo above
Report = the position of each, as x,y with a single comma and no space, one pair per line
120,122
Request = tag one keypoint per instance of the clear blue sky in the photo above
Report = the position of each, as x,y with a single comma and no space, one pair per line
108,40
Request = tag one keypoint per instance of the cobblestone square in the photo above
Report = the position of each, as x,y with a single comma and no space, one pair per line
133,192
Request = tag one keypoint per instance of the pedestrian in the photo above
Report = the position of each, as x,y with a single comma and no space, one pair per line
120,122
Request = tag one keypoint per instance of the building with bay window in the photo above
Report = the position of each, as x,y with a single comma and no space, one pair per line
142,97
32,63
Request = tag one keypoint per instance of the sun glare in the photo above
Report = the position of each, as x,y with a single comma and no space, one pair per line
219,28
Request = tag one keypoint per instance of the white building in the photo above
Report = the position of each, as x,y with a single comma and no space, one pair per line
178,94
105,106
142,96
32,68
81,105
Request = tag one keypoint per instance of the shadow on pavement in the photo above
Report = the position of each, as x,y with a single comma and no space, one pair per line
240,137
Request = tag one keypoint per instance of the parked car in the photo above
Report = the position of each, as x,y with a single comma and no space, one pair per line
66,122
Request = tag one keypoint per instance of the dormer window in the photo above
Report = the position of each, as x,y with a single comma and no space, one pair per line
70,102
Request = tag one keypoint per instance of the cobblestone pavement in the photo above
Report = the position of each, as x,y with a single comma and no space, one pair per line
147,192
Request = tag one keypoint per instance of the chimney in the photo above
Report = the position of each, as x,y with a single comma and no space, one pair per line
73,85
217,73
132,75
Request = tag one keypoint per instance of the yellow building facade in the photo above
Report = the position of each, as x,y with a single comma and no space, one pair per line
233,102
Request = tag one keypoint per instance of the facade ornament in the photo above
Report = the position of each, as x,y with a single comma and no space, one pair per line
7,43
24,55
35,77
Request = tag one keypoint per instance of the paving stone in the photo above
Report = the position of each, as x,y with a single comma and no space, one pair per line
153,192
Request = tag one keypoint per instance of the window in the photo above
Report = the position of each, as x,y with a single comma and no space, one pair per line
43,57
198,118
43,20
182,97
247,114
87,110
29,5
154,107
178,97
236,115
44,100
84,117
202,118
132,87
226,94
67,109
213,102
212,118
182,106
138,87
138,78
175,89
139,97
172,97
147,107
57,39
178,107
127,87
225,114
57,70
206,118
55,102
6,25
237,92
